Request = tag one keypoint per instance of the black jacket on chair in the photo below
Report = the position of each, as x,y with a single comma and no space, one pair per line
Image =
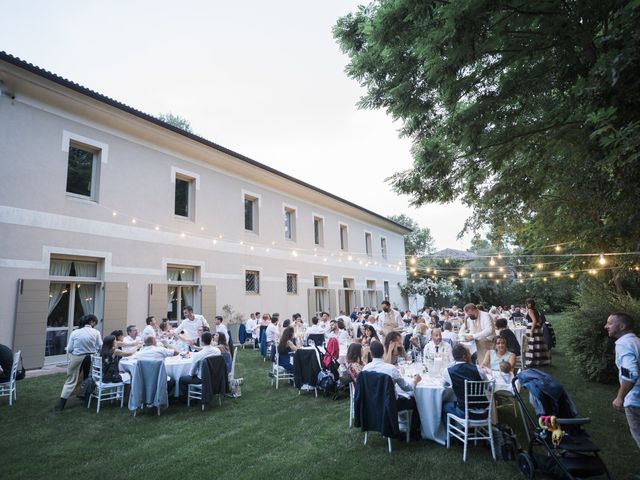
214,378
375,404
512,342
305,367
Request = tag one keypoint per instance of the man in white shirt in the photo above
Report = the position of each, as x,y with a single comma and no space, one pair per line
333,329
251,325
83,341
191,323
195,374
389,319
405,391
151,351
151,330
132,342
478,327
220,327
436,347
448,335
273,332
315,329
324,323
345,318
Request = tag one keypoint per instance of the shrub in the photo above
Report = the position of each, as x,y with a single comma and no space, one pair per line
588,346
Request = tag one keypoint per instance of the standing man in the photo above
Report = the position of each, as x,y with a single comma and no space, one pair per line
477,328
220,327
83,341
191,323
619,326
389,319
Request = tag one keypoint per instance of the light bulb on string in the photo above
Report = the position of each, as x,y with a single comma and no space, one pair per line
540,266
592,272
571,275
602,260
412,260
499,256
462,272
446,260
157,228
558,248
501,269
544,279
557,274
133,220
492,262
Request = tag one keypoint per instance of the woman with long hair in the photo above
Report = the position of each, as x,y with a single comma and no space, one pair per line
111,355
220,341
286,346
538,354
354,360
393,349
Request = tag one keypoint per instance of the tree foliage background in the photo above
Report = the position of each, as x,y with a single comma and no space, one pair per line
176,120
529,112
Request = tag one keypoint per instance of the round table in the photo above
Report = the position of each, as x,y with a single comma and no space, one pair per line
175,366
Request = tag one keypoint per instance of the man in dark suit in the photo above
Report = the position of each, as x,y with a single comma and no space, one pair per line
461,370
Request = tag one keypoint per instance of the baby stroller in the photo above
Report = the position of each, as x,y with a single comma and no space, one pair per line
568,453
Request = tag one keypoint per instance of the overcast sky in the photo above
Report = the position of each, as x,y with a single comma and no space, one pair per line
265,79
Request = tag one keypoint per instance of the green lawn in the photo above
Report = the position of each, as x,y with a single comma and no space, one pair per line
266,433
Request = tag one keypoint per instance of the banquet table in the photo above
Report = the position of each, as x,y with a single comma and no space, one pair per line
175,366
519,332
430,395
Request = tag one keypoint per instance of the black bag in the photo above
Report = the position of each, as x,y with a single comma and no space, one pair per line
505,442
342,387
21,373
326,382
87,387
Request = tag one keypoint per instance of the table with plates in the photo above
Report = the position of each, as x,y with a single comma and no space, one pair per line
175,367
430,395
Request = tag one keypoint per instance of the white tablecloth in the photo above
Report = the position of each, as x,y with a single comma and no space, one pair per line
175,366
519,332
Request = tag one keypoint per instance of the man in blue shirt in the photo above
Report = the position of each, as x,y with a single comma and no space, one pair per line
620,327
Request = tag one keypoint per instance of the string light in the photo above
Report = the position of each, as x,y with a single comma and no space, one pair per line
558,248
492,262
133,220
602,260
446,260
540,266
556,274
412,261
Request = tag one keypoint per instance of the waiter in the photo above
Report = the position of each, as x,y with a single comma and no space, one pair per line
389,319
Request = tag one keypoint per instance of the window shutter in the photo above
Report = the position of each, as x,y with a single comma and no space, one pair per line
358,300
332,302
311,303
31,321
341,300
379,298
116,297
158,294
208,302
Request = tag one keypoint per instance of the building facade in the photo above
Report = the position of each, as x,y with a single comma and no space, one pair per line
106,210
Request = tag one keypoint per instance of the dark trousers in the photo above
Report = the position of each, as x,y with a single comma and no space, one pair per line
185,381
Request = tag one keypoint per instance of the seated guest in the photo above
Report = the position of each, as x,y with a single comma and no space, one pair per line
6,363
448,335
264,324
286,346
196,344
150,330
111,355
324,322
315,328
132,341
512,342
195,374
517,315
493,357
251,325
456,374
404,391
151,351
220,341
166,332
420,339
437,347
369,335
273,333
354,360
220,327
393,349
298,328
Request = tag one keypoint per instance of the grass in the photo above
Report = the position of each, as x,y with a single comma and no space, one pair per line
266,433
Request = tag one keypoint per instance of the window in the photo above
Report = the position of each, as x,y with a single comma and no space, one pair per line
344,237
289,224
292,283
321,297
383,247
183,202
72,294
318,231
370,294
182,290
367,243
251,213
252,282
386,290
82,171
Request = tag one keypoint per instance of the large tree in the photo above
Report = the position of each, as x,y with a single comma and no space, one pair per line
419,241
529,112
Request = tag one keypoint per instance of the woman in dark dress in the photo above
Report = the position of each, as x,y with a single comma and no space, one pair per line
285,348
538,354
110,360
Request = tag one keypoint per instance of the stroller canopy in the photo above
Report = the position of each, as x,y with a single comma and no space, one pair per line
546,395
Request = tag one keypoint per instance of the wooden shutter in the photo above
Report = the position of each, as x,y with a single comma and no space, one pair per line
158,300
358,301
208,302
311,303
332,302
379,298
31,321
116,298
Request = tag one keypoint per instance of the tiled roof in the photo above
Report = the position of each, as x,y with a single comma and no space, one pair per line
150,118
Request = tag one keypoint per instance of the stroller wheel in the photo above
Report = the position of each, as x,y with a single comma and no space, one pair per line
526,466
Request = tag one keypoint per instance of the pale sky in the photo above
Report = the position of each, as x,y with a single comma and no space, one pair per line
265,79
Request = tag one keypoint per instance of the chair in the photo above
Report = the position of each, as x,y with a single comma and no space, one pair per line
148,386
232,374
375,407
352,410
277,372
478,399
104,391
306,366
215,381
523,352
8,389
245,338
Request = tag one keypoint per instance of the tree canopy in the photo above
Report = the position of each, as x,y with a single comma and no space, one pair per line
176,120
419,242
527,112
